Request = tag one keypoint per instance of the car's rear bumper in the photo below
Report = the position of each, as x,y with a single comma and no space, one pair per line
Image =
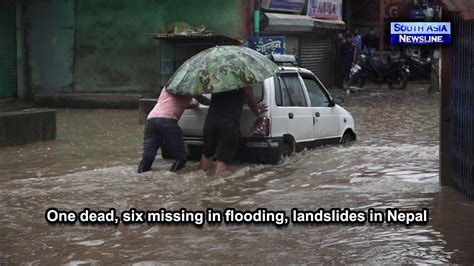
255,150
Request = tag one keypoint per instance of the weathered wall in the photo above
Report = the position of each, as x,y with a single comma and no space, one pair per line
112,55
49,31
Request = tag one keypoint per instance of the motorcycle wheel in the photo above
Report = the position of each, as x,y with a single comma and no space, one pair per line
357,82
400,82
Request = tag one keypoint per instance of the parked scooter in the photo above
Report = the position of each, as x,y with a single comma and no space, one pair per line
394,73
420,68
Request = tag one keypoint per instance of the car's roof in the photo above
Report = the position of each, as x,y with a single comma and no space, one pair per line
295,69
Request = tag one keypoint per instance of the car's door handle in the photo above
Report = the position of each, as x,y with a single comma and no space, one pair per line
290,115
317,114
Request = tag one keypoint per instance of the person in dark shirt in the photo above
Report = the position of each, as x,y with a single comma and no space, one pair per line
222,126
348,54
370,42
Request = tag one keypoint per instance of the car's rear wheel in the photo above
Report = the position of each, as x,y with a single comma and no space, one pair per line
287,149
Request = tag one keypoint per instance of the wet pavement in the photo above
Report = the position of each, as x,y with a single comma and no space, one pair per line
394,163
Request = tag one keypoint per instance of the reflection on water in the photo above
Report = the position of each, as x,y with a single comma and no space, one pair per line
86,139
394,164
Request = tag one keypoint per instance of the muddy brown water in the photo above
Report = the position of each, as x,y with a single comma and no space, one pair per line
393,164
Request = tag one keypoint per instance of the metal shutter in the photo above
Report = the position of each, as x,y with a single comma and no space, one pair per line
315,55
7,48
462,107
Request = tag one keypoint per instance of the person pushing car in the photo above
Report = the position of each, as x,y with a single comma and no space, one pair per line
222,126
162,126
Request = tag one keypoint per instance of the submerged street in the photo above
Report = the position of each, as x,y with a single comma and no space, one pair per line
92,164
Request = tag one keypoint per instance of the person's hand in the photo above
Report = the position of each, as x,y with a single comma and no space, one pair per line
262,108
193,104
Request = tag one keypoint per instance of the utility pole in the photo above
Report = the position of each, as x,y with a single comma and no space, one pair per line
381,25
256,24
256,19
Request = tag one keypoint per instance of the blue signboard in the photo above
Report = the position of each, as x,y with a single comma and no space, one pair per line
420,32
286,5
268,44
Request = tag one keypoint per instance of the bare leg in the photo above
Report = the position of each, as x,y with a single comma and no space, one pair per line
205,163
221,167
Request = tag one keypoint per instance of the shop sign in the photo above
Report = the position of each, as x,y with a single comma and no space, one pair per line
325,9
293,6
267,44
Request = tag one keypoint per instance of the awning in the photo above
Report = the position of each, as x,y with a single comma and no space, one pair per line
458,5
276,22
205,38
329,24
465,7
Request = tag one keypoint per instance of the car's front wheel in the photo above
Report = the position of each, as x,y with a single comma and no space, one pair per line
347,137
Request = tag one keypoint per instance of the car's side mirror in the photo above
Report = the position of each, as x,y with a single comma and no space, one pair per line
339,99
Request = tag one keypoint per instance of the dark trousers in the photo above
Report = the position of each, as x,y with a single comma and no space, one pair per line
221,138
157,132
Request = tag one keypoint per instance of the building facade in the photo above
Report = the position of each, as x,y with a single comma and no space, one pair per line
97,46
102,47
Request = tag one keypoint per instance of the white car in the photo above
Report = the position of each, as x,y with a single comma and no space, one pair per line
301,114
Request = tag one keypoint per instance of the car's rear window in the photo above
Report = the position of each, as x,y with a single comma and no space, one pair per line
290,92
257,92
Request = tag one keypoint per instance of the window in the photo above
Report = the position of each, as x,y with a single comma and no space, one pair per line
278,96
291,90
282,98
258,91
316,94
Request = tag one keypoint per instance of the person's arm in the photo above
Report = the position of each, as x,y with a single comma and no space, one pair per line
256,108
193,104
198,100
354,56
376,39
203,100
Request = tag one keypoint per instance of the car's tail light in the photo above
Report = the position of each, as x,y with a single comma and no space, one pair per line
261,127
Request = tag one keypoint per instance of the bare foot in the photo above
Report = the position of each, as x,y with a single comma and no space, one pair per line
221,167
205,163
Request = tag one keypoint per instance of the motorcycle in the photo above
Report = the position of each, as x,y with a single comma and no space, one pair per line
418,61
394,73
420,68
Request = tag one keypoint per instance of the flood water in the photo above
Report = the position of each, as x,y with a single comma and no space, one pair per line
92,164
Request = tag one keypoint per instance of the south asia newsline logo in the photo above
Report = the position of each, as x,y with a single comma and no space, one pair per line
420,32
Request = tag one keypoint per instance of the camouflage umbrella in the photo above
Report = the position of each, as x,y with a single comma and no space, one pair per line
221,68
